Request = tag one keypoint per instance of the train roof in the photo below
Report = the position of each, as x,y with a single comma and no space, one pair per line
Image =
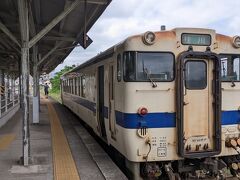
102,55
98,58
109,52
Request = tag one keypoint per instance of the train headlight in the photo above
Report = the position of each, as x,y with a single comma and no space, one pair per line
149,38
142,111
236,41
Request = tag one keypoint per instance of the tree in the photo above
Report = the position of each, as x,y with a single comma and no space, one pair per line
55,81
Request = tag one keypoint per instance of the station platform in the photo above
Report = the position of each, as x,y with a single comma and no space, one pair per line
61,149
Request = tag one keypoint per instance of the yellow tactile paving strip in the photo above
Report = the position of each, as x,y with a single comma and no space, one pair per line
6,140
64,165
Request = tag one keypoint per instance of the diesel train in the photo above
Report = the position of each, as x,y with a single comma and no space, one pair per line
168,102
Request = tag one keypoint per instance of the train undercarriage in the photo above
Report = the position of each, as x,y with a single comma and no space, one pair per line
227,167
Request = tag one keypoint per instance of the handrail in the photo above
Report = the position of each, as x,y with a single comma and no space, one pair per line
139,90
232,89
3,107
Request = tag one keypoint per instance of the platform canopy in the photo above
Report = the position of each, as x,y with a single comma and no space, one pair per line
36,36
55,28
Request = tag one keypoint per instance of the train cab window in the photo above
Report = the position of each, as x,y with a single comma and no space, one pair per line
143,66
157,66
119,67
195,74
129,66
230,67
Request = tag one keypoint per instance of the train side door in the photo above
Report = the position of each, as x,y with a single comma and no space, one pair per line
199,108
112,122
100,101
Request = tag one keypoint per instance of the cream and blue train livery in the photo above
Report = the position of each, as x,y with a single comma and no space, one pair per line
168,102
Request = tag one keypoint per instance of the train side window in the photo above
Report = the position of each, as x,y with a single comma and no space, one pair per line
72,91
76,85
79,86
73,85
119,67
67,85
230,67
83,86
195,74
69,89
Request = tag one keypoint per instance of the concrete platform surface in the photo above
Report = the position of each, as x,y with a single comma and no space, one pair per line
90,159
41,150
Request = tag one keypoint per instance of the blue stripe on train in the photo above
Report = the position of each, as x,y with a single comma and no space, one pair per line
165,120
152,120
89,105
83,102
230,117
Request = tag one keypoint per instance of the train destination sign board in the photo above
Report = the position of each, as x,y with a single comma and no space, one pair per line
196,39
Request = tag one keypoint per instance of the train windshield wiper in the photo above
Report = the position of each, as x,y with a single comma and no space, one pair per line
146,71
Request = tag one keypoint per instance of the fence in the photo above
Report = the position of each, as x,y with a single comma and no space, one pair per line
9,91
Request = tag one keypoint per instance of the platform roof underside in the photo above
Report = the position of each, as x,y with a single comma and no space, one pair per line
55,46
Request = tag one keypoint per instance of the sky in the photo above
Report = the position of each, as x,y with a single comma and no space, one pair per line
124,18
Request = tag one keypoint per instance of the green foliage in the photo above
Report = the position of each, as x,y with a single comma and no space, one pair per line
56,79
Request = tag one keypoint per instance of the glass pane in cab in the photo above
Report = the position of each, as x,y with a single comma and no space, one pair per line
158,66
142,66
196,75
230,67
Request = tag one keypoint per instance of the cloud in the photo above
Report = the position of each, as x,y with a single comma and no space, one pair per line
124,18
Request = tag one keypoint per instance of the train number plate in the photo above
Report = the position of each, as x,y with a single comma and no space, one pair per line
161,152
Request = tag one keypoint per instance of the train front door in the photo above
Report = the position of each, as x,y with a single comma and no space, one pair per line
199,113
100,101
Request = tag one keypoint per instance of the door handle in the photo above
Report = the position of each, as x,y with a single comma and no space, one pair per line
110,106
185,103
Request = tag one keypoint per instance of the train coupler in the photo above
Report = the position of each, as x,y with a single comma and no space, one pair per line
151,170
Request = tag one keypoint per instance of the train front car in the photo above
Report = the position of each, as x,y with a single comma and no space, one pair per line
176,119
